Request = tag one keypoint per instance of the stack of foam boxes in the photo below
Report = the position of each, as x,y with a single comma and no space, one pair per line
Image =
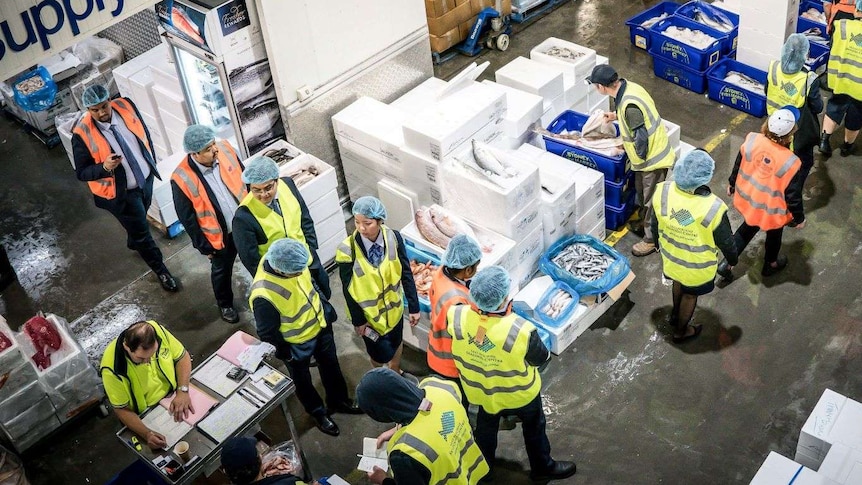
763,28
580,96
539,79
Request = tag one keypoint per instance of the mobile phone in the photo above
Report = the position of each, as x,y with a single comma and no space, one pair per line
116,156
371,334
236,373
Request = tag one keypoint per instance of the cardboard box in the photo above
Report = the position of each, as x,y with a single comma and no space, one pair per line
449,20
532,77
814,441
523,109
372,124
437,8
780,470
574,70
445,41
479,5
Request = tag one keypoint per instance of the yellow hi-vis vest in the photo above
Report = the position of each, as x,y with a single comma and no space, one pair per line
844,70
296,300
493,373
685,225
660,154
275,226
785,89
441,438
376,290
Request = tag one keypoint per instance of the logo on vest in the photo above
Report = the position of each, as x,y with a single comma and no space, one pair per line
447,423
682,217
764,166
485,346
789,88
856,39
164,352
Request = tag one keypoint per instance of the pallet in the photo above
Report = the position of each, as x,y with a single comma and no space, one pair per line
447,55
49,141
535,11
171,231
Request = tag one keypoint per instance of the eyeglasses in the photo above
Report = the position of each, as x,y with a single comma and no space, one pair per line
263,190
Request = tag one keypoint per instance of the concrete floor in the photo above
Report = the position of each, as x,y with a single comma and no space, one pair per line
625,403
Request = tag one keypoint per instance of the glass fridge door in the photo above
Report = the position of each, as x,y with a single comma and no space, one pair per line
203,82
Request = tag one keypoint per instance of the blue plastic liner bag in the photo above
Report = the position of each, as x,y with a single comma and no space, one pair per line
35,90
615,272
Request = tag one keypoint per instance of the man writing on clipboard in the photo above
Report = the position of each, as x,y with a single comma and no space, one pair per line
139,368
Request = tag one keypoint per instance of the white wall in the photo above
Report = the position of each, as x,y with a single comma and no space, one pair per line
311,42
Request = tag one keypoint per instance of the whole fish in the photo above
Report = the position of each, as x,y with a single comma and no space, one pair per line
583,261
487,161
814,15
713,20
429,230
280,156
557,303
250,80
745,82
654,20
596,142
301,177
695,38
450,224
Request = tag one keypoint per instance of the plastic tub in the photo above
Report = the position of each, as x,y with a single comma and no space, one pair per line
807,4
729,43
682,53
641,36
820,55
565,313
733,95
615,192
614,168
804,24
422,257
616,216
679,74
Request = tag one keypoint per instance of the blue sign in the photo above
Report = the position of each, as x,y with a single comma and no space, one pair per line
233,16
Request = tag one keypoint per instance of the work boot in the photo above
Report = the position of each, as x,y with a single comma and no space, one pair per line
769,269
846,149
326,425
560,470
825,148
229,314
724,271
643,248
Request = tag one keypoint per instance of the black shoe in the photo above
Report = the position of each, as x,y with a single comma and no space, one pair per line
724,271
560,470
780,264
229,314
327,425
346,407
846,149
168,282
824,147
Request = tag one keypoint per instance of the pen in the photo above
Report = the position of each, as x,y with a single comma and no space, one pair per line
255,395
248,399
135,443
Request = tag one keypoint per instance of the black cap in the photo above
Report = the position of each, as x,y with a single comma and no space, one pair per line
238,453
603,74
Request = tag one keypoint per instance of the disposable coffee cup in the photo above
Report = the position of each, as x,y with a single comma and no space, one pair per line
182,450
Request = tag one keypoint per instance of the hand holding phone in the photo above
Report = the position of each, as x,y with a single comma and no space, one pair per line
113,162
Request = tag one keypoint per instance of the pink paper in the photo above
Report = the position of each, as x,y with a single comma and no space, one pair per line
201,403
234,346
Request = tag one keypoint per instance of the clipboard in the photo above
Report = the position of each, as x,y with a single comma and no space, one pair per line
227,417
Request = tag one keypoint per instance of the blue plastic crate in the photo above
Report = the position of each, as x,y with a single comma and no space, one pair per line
733,95
682,53
820,55
615,192
566,313
641,36
679,74
803,25
422,257
614,168
729,43
616,216
807,4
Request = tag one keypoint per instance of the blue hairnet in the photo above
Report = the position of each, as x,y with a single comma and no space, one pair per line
197,137
859,5
794,53
489,288
693,170
287,255
370,207
260,170
462,252
94,95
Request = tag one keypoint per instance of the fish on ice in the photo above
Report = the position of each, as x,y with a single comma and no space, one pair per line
745,82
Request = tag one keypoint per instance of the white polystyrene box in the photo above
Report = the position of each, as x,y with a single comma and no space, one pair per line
579,102
532,77
496,248
329,227
141,83
326,249
171,102
780,470
673,133
523,109
599,230
325,206
601,102
156,56
156,128
848,427
162,188
577,68
553,109
420,97
814,439
442,127
372,124
586,221
842,464
165,76
175,129
528,249
369,160
589,189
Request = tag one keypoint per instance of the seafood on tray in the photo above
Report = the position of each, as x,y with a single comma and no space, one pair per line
438,226
654,20
557,303
423,274
596,135
487,166
745,82
695,38
814,15
305,175
583,261
564,53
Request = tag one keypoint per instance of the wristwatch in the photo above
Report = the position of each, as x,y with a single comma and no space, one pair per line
183,388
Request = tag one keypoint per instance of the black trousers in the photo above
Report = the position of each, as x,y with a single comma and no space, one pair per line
320,276
806,156
745,233
535,439
133,217
330,375
221,271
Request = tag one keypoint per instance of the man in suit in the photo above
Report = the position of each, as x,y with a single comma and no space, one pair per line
113,153
207,188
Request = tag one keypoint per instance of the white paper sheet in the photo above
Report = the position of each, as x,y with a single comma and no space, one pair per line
162,421
367,464
372,456
214,375
253,355
227,417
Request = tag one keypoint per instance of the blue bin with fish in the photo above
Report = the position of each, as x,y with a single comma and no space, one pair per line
639,34
617,215
818,56
733,95
616,192
414,254
612,276
705,14
614,168
674,50
815,32
807,5
565,312
679,74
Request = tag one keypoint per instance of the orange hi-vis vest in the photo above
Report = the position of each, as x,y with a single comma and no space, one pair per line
100,149
191,185
846,6
443,294
764,174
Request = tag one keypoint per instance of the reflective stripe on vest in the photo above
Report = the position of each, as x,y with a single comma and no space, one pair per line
443,294
659,153
297,301
376,290
441,439
844,68
764,174
785,89
846,6
276,226
493,373
100,149
192,186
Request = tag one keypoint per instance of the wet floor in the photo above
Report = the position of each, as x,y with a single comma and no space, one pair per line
625,403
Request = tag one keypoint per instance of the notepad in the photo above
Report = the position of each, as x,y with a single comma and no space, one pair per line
372,456
213,374
201,403
227,417
162,421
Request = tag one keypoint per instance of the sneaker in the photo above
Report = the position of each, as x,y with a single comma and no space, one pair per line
846,149
560,470
168,282
229,314
724,270
644,248
780,264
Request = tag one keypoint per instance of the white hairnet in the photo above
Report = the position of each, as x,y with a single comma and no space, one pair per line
94,95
